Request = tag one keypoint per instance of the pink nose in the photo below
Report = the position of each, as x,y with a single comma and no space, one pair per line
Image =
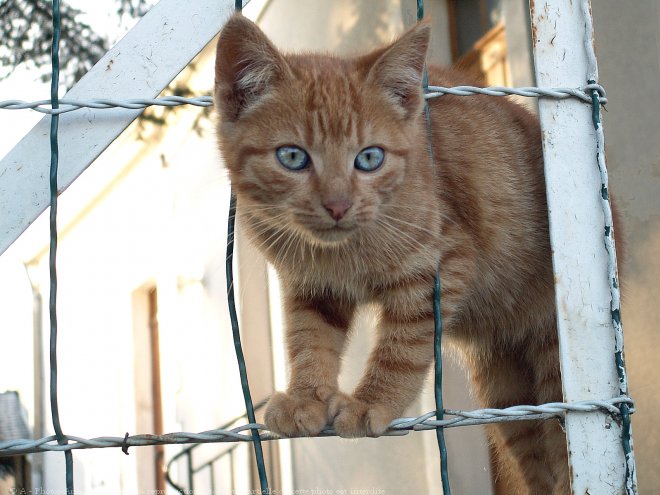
337,208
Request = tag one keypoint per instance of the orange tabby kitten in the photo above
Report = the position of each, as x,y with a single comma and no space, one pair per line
330,162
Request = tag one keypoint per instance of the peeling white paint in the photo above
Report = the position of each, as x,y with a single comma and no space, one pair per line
586,331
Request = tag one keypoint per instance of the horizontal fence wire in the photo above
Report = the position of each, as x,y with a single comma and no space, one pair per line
67,105
398,427
583,93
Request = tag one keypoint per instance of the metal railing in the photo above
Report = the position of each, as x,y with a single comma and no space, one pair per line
192,470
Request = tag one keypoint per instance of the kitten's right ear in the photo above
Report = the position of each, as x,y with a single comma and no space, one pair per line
246,66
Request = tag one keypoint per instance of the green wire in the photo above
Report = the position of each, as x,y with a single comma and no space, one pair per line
420,10
52,305
256,439
437,315
439,408
626,426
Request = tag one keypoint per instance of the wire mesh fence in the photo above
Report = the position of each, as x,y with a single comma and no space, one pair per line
591,93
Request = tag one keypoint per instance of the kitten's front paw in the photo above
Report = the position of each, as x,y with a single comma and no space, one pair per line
355,418
293,416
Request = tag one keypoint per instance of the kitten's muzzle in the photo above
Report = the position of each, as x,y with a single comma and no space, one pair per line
337,208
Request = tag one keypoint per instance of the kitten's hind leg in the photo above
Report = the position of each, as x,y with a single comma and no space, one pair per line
502,380
316,333
548,388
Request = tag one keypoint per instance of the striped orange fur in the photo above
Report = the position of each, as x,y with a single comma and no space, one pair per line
341,236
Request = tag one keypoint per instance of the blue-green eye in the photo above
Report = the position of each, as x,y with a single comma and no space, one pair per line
292,157
369,159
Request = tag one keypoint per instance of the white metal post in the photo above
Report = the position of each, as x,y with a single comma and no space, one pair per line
140,65
563,53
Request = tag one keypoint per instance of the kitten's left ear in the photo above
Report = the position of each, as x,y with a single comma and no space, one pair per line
398,69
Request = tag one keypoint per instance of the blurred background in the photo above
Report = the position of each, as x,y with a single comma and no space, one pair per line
145,342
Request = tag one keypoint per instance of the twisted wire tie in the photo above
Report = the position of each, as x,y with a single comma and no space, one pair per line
583,93
398,427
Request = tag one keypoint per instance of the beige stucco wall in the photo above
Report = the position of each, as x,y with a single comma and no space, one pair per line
628,50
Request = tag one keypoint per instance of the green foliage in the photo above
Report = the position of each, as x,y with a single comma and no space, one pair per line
26,31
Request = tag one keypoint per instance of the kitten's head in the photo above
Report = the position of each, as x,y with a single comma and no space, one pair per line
316,144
